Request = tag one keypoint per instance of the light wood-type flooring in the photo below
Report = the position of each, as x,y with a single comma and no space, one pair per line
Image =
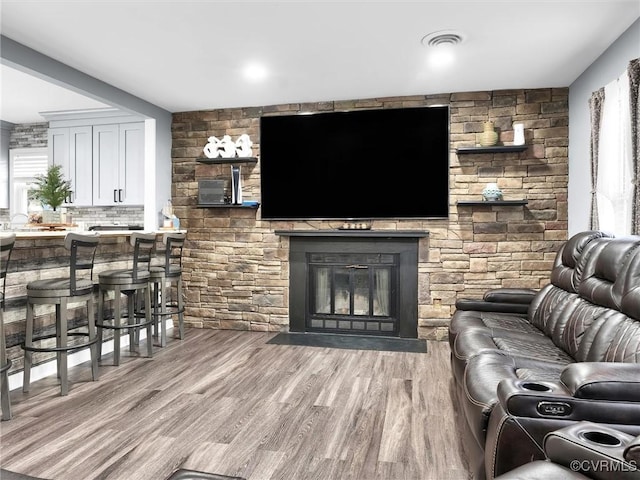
227,402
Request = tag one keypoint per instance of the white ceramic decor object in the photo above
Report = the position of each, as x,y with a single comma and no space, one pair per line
243,146
518,134
491,192
211,148
227,147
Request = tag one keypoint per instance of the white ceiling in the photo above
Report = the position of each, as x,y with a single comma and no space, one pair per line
23,97
190,55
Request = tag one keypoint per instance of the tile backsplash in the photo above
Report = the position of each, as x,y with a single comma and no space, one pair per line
97,215
108,215
29,135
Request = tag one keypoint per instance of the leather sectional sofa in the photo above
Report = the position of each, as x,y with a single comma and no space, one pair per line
583,451
529,363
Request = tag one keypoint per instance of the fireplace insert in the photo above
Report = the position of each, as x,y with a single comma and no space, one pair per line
354,286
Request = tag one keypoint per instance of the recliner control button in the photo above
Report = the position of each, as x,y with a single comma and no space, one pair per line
554,409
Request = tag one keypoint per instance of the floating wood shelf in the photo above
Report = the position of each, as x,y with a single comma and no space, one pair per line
494,149
354,233
482,203
233,160
227,205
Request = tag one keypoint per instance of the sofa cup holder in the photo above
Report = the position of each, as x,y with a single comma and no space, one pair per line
535,387
601,438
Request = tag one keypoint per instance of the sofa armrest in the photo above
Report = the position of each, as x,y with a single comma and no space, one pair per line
482,306
593,449
502,300
523,296
632,452
555,401
603,381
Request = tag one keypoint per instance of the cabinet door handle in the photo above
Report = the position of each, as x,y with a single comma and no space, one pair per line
120,195
115,198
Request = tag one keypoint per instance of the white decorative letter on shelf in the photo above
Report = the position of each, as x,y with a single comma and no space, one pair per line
227,148
211,148
243,146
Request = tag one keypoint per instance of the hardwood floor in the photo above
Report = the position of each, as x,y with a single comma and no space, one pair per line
225,402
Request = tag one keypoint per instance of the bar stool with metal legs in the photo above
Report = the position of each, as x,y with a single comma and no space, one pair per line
6,246
170,271
59,292
129,282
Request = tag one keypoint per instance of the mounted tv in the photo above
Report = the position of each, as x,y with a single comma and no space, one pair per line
360,164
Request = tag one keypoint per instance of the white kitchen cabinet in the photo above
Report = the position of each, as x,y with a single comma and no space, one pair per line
71,147
132,160
118,164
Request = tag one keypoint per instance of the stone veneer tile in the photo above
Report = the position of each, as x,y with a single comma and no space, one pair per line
236,269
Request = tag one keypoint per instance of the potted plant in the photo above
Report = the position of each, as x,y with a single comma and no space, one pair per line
51,188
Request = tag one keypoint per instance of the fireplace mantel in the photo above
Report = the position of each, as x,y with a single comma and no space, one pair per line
354,233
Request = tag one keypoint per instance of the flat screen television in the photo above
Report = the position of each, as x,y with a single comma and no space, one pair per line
359,164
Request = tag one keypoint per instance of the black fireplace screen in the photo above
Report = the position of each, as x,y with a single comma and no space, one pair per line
354,283
352,292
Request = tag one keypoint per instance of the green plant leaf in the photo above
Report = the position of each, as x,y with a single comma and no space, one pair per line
51,188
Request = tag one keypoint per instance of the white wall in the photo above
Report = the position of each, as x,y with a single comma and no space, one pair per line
5,130
606,68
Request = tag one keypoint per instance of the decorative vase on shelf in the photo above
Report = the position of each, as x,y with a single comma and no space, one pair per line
518,134
491,192
488,137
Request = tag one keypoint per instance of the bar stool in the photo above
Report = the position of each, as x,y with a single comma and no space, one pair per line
170,271
6,246
59,292
129,282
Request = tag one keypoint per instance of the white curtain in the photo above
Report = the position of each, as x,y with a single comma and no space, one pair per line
615,188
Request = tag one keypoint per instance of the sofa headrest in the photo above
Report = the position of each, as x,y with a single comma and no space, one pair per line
609,275
565,273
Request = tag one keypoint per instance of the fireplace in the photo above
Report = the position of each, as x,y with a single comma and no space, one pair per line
354,282
352,292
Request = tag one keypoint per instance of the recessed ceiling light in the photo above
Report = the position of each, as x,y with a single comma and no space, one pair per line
255,72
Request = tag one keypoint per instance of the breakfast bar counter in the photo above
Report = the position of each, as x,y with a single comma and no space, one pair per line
42,254
35,234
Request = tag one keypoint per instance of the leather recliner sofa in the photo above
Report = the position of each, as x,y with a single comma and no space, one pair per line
583,451
573,355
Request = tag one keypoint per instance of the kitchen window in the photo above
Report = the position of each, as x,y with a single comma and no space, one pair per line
24,165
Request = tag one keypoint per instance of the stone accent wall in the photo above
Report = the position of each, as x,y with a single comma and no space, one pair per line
236,268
